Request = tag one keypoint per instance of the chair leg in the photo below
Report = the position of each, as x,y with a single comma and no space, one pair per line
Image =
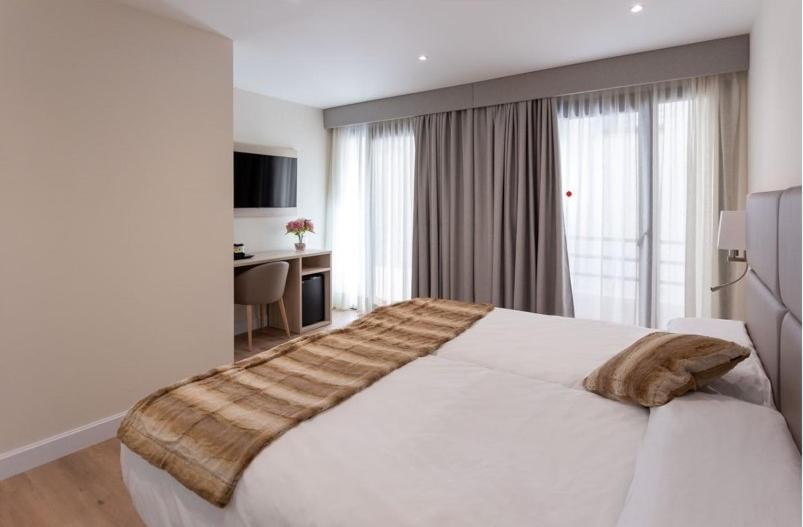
267,320
259,316
284,316
249,316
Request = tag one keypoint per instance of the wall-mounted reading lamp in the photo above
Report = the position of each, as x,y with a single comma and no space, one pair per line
732,238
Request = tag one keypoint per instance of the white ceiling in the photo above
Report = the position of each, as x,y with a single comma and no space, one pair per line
327,53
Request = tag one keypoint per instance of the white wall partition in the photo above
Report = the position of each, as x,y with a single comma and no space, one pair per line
269,122
775,104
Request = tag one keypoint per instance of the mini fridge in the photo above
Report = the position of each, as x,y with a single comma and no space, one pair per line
312,299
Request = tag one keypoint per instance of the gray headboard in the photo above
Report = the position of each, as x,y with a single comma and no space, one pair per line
773,294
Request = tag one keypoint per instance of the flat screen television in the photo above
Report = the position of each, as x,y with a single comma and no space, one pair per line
264,181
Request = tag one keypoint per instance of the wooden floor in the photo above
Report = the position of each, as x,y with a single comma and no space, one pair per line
82,489
266,338
85,489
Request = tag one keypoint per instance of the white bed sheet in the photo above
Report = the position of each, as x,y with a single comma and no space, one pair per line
490,431
494,429
554,349
715,461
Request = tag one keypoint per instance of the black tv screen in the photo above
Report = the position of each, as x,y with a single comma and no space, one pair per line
262,181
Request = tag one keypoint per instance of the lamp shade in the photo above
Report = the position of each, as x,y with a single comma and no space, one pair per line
732,230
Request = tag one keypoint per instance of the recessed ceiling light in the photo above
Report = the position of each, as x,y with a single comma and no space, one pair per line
636,8
422,58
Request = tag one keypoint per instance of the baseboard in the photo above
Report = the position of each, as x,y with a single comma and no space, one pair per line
30,456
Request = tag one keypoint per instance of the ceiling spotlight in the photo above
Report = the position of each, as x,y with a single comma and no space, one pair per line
636,8
422,58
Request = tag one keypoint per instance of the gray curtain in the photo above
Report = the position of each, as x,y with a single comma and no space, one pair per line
488,221
732,189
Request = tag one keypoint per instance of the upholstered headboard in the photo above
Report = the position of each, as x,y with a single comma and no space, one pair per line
773,294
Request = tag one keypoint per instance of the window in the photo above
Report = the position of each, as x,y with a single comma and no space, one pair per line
372,213
627,159
600,171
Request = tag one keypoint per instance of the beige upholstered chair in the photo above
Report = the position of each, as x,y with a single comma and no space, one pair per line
258,286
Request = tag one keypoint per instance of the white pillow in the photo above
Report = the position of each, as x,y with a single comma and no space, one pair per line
747,381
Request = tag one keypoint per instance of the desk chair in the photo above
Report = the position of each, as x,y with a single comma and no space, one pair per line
262,284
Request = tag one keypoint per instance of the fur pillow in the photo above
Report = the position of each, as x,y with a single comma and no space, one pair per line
661,366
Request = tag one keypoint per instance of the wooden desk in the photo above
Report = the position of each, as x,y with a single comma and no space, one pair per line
311,261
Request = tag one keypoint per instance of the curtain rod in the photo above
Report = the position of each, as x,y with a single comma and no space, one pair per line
712,57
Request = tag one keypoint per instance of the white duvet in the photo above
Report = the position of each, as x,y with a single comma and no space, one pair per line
494,429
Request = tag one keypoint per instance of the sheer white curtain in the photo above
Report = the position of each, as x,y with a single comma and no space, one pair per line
701,169
372,213
600,165
649,168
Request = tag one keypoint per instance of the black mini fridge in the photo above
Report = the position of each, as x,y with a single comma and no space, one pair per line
312,299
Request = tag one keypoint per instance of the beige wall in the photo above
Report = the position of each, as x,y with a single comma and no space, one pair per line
774,97
266,121
115,210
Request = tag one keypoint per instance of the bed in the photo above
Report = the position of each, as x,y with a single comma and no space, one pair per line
495,428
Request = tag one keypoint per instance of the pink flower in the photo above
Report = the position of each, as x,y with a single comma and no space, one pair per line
299,227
